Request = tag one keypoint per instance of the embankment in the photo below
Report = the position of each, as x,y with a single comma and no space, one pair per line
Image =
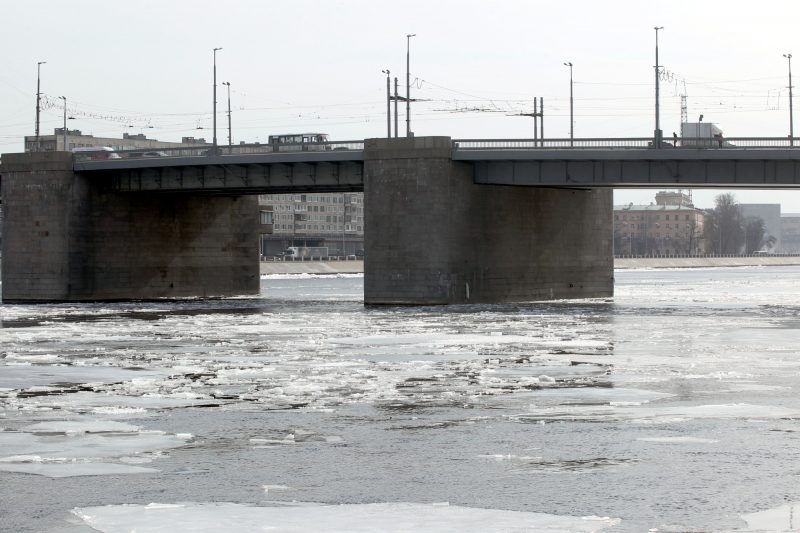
704,262
357,267
312,267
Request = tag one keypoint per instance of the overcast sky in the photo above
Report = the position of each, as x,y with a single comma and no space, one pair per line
303,66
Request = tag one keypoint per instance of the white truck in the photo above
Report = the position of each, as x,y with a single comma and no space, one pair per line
701,135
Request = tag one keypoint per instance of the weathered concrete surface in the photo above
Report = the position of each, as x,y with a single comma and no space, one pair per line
68,240
432,236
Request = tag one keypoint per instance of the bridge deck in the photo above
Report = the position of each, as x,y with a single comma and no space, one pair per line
585,163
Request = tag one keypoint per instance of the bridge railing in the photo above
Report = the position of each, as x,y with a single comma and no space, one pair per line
220,150
627,143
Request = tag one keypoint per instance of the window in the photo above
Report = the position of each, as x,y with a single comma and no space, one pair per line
266,217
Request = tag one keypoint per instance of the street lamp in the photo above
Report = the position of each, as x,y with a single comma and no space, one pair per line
38,98
657,133
215,99
66,149
571,109
791,116
230,142
408,83
388,104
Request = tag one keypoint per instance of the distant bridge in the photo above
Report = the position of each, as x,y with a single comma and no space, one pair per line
338,166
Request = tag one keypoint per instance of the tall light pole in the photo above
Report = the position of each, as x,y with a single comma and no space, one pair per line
388,103
215,99
66,149
230,140
38,98
657,133
571,108
791,115
408,83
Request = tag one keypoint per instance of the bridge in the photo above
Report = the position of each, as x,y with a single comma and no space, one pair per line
447,221
338,166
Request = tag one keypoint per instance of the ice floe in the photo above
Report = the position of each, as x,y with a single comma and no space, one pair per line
783,518
83,447
384,517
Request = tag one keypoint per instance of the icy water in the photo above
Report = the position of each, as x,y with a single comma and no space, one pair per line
673,406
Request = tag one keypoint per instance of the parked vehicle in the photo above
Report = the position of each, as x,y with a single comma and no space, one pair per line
306,252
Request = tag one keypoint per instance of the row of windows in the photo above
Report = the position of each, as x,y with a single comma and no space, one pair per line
319,198
318,227
655,235
302,208
657,217
667,226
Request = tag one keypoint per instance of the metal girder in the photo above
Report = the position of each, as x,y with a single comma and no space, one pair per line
262,178
634,172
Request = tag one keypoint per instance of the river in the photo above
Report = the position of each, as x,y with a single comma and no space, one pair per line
673,406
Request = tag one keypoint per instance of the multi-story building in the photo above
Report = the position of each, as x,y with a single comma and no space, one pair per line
76,139
332,220
671,226
790,233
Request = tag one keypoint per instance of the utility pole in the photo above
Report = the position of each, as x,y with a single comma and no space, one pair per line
396,99
38,98
408,83
230,139
657,132
66,148
215,100
791,114
388,104
571,108
538,118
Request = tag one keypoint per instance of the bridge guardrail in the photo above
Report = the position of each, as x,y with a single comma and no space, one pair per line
220,150
627,143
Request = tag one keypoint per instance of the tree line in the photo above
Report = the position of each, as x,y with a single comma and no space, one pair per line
728,231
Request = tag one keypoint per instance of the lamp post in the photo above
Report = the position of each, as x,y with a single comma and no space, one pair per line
215,99
408,83
66,149
571,108
791,115
38,98
657,133
230,140
388,104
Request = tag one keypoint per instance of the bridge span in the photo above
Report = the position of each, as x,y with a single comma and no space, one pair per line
338,166
464,221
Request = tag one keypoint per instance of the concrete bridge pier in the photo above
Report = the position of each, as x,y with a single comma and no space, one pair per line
68,239
433,236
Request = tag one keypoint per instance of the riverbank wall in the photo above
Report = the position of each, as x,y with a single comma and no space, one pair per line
704,262
357,267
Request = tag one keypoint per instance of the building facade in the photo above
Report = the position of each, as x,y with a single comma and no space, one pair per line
790,233
77,139
671,226
331,220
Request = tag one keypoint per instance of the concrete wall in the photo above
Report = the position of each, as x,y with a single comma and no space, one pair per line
434,237
67,240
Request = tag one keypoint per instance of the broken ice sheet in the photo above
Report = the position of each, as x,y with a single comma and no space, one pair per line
384,517
82,447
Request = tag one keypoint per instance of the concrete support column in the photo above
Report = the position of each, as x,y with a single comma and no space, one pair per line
432,236
67,239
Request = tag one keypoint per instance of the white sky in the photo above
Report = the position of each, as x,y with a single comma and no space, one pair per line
146,67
